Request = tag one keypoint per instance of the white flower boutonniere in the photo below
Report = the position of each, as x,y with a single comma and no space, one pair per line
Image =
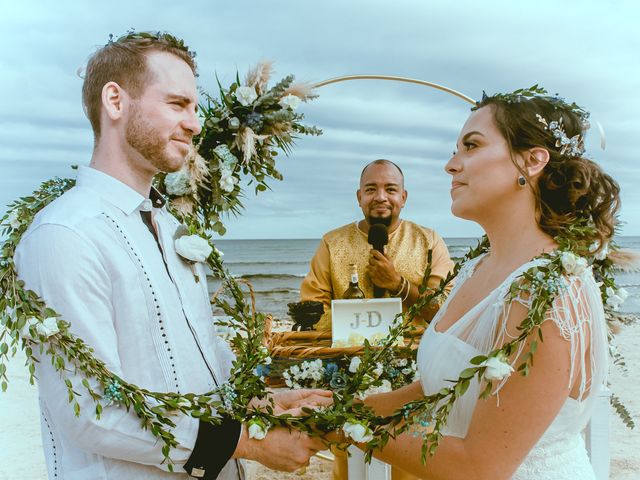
193,248
497,368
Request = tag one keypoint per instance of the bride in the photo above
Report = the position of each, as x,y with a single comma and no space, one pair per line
519,172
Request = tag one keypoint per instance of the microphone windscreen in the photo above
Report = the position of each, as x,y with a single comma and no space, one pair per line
378,236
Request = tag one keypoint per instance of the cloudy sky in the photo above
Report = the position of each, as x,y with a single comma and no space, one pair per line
585,50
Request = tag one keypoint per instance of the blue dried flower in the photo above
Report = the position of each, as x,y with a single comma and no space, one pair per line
263,370
329,370
112,393
338,380
255,121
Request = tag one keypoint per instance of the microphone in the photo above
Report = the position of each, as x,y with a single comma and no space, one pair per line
378,237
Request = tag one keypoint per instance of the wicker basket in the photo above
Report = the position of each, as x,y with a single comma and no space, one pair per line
313,345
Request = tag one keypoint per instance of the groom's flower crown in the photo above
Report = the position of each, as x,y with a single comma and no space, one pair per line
166,37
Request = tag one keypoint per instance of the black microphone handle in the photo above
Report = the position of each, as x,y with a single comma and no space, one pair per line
378,292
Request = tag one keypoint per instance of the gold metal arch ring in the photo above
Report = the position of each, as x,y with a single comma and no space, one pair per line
396,79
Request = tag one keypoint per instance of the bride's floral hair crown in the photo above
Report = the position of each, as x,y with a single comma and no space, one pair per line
571,188
572,146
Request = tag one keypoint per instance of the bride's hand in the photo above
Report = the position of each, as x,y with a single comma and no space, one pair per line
292,402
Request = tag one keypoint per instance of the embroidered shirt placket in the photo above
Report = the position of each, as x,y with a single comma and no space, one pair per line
158,230
191,329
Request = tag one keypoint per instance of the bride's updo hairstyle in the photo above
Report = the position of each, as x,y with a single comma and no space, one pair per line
571,188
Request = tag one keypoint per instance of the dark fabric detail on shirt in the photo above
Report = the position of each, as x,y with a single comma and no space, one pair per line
214,447
146,219
156,198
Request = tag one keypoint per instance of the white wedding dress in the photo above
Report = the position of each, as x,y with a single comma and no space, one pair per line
560,453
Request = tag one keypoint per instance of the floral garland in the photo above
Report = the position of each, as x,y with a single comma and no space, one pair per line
243,130
209,186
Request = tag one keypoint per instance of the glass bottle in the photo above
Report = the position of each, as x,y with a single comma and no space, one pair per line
354,291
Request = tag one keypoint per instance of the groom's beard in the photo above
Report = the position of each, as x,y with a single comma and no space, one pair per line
142,136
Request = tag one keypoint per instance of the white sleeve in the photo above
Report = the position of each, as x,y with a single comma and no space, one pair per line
66,271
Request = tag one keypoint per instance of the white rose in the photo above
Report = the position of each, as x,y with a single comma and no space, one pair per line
357,432
24,331
378,370
572,264
355,363
267,361
615,298
48,327
227,180
193,247
602,254
257,430
290,101
13,220
177,183
497,368
246,95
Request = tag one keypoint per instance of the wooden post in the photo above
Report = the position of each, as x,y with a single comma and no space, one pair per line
596,435
359,470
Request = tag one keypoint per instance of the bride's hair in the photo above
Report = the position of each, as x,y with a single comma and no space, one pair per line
571,188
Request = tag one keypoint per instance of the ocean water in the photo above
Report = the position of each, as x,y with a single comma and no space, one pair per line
275,269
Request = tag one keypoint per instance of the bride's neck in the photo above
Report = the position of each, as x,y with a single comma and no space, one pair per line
517,240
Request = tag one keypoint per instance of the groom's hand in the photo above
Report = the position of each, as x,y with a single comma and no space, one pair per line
282,449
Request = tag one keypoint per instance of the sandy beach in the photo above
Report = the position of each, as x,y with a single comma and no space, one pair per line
21,448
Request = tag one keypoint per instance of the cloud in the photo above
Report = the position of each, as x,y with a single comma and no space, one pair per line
586,51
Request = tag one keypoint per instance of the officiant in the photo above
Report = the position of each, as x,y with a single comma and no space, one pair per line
396,273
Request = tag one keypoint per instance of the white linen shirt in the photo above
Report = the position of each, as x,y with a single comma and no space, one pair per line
93,260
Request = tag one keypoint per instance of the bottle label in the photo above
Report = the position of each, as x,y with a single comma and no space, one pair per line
354,278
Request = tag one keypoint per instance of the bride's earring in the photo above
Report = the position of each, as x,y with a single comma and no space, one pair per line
522,181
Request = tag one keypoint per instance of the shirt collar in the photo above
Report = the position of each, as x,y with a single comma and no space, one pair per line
117,193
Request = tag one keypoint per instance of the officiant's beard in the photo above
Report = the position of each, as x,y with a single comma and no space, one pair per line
386,221
148,142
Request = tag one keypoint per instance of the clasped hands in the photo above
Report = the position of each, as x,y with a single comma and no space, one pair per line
285,449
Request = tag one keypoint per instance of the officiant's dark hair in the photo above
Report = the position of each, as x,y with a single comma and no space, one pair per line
571,188
124,61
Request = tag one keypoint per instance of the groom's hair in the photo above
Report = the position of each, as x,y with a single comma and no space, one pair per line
124,61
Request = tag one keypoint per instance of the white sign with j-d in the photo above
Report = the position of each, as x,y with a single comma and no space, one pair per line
353,321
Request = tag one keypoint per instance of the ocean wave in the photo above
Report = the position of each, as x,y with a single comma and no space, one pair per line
277,290
249,276
274,262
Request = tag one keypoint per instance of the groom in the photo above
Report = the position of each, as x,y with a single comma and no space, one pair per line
102,256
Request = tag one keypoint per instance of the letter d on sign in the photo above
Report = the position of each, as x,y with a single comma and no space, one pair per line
379,319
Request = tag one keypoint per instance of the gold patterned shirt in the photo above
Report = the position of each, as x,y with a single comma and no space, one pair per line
408,246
